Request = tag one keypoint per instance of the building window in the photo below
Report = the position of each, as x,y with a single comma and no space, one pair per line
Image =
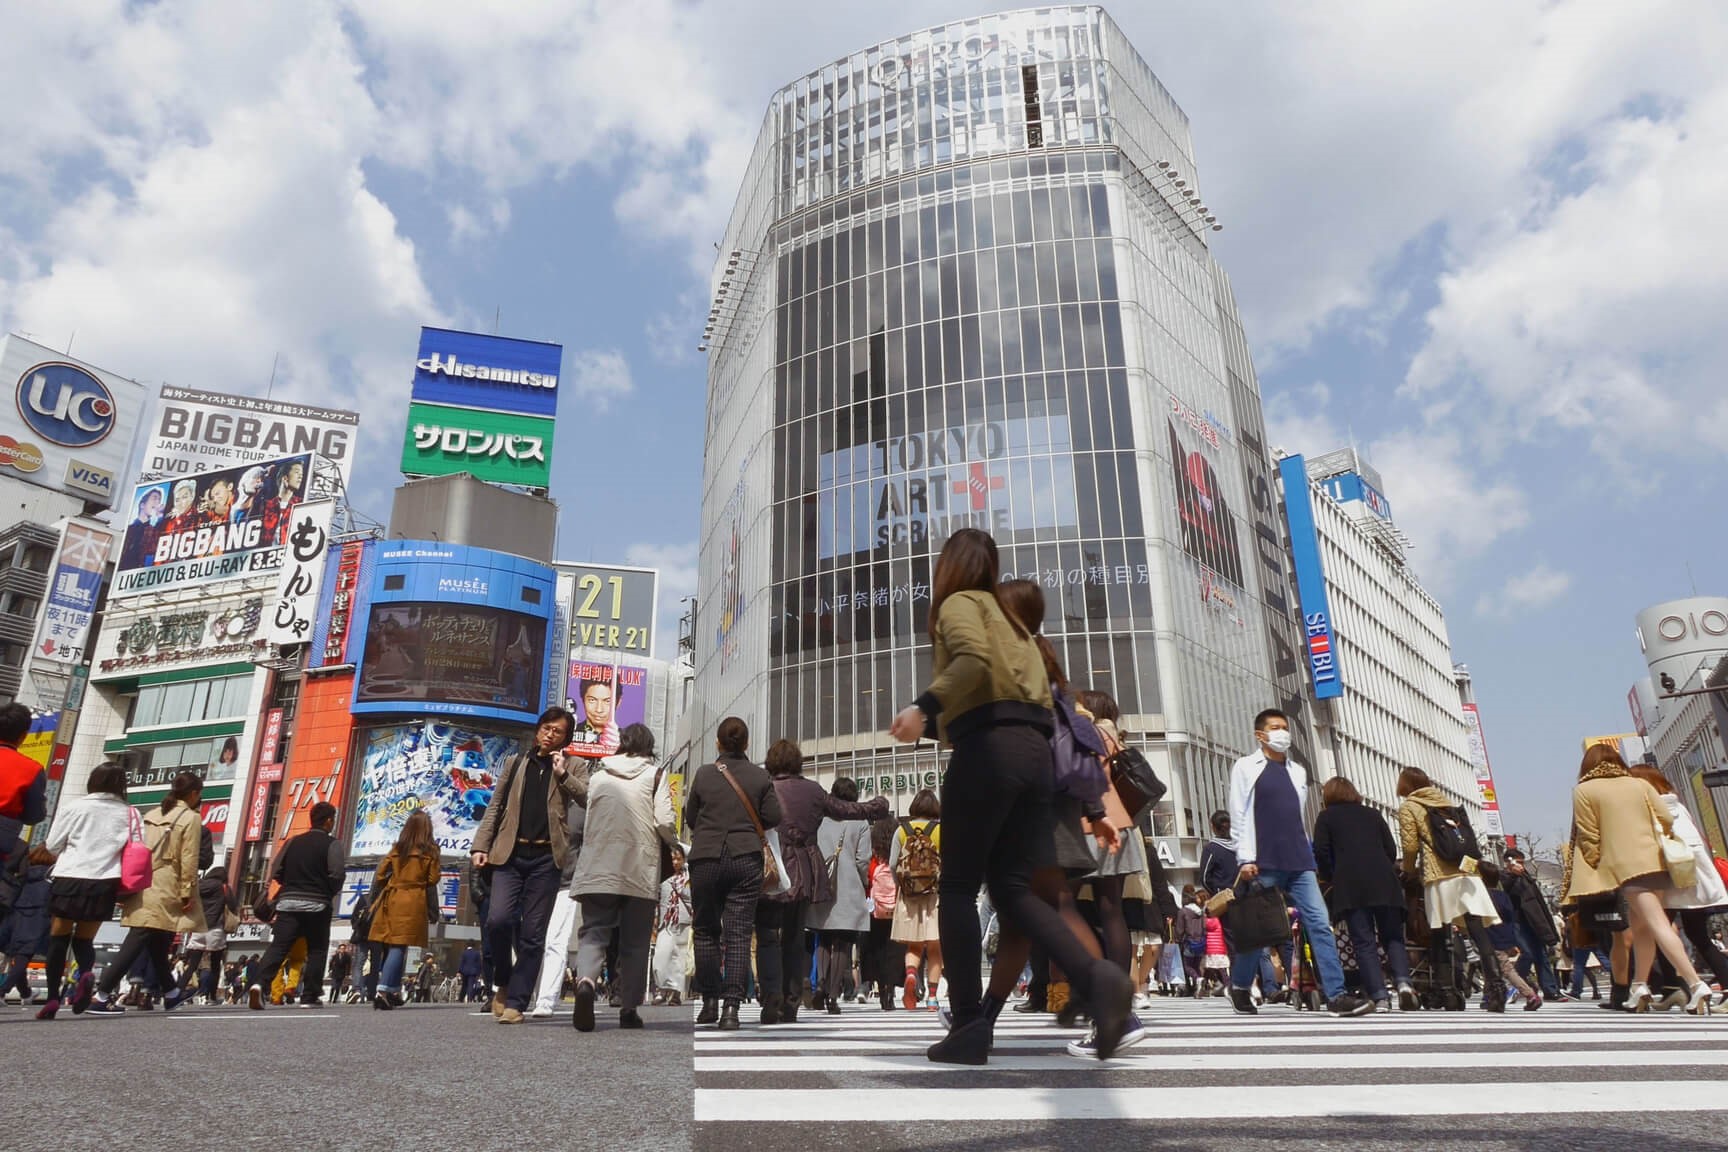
191,701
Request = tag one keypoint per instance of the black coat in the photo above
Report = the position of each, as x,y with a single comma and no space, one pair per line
1355,853
1532,908
718,824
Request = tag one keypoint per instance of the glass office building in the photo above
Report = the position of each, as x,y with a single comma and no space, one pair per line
967,283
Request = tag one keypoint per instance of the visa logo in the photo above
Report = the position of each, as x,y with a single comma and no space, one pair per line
88,479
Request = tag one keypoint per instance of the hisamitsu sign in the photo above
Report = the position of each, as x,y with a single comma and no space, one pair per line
498,373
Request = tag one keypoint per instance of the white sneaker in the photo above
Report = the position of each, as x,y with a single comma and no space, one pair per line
540,1012
1141,1000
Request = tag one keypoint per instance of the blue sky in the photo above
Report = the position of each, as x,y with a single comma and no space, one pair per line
1482,240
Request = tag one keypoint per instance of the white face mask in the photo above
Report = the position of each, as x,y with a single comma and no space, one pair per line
1278,740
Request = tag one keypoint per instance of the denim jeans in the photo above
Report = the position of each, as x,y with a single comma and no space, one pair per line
1581,965
390,973
1535,955
1370,929
1304,891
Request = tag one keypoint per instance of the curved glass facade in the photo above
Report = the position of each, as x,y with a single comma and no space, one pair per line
961,291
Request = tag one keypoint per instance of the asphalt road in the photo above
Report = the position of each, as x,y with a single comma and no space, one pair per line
424,1077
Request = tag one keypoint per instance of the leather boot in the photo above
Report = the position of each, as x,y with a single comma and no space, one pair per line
967,1044
772,1009
710,1011
1616,997
729,1016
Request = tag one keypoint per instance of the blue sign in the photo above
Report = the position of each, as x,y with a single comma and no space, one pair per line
65,405
495,373
1310,580
453,631
1350,486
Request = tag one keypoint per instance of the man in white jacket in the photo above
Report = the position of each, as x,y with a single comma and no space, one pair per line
1267,793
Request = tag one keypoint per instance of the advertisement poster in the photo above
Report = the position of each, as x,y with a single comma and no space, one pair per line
496,373
424,654
213,526
72,589
498,447
611,606
197,431
341,602
302,574
64,424
1208,529
605,699
448,770
1491,821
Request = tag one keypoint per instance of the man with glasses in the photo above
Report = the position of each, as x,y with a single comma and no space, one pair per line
524,839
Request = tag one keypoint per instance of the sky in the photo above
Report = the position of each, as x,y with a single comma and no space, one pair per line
1480,240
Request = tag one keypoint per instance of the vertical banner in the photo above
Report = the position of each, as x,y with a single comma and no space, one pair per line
255,811
302,574
1484,773
1310,580
71,602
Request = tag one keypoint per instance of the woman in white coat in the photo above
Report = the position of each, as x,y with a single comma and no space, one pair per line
1695,904
618,874
672,935
841,923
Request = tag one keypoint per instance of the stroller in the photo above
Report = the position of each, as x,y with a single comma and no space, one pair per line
1441,976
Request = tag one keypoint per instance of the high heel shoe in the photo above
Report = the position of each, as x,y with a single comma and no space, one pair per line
1699,1005
1676,998
1638,998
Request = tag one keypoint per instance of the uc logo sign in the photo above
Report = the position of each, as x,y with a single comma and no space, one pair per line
66,405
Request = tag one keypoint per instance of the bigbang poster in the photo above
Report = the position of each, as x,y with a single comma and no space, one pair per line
448,770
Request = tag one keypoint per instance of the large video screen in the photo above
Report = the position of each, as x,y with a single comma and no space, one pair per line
455,655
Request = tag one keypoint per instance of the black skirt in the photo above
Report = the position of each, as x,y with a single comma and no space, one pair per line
72,898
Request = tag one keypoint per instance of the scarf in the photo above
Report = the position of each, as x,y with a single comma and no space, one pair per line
1604,771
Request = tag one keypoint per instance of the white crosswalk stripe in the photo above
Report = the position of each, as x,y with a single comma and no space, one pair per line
866,1066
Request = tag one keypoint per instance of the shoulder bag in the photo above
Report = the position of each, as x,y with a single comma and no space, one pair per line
1677,858
137,861
1136,784
366,909
774,879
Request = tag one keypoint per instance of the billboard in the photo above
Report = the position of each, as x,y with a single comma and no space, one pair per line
214,629
496,373
1679,637
456,630
448,770
65,425
500,447
302,574
1350,487
1310,580
196,431
70,605
1208,529
611,607
606,699
1491,821
343,599
213,526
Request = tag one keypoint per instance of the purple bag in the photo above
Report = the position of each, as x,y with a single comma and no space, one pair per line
137,862
1077,754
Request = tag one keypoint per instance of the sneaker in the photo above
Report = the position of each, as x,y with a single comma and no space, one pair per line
1567,996
304,1004
583,1016
1141,1000
101,1007
48,1010
1088,1048
255,998
931,1002
1382,1005
946,1019
542,1012
82,992
1242,1002
1407,1001
1533,1003
909,998
1348,1005
174,999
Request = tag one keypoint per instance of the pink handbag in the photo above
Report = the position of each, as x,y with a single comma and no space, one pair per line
137,862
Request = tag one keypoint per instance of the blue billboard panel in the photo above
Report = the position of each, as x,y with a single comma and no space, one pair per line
495,373
452,630
1350,486
1310,580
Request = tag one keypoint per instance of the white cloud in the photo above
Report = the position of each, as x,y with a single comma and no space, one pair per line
1452,512
677,565
1297,421
599,377
1534,590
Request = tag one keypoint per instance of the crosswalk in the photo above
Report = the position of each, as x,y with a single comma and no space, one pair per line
867,1067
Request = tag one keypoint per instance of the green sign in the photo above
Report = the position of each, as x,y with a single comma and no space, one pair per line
501,447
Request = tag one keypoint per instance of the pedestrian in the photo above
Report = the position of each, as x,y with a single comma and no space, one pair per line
472,968
1357,858
782,964
1504,937
732,803
914,859
1452,892
341,970
672,956
1268,790
426,978
1708,895
524,839
884,955
1532,923
24,931
307,878
404,898
220,902
85,842
618,876
842,922
990,700
561,926
1618,821
23,783
169,905
1191,937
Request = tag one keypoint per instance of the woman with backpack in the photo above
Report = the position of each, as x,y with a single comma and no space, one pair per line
915,859
84,842
990,700
404,902
1191,935
881,962
1432,826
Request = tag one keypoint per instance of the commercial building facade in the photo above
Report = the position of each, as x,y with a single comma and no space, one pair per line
1681,707
967,283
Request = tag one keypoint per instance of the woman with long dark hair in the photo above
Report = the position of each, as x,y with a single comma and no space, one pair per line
917,906
171,903
85,842
404,903
990,701
882,962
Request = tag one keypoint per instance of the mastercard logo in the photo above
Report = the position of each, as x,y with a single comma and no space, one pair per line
22,455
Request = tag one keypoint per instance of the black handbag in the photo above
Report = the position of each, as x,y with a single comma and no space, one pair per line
1604,913
1257,918
1137,786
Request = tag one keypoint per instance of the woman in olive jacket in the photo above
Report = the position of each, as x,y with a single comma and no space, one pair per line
989,698
404,903
1358,860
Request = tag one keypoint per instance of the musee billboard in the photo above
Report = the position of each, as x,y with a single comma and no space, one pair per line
69,424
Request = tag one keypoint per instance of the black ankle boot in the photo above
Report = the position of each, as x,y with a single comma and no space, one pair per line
772,1011
1617,994
710,1011
729,1016
993,1009
789,1011
967,1044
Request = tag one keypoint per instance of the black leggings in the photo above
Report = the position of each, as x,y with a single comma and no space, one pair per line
835,962
1112,925
156,942
83,950
998,826
1439,953
885,957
